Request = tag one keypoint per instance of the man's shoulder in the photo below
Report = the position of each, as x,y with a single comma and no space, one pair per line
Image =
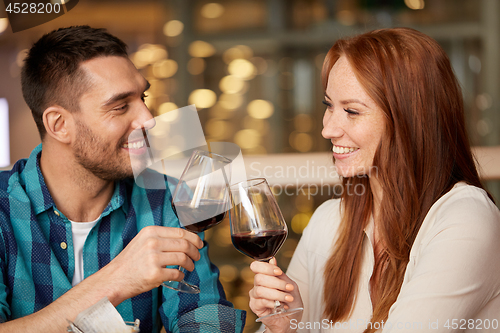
12,192
11,176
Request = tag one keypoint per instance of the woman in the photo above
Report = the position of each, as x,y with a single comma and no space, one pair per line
417,246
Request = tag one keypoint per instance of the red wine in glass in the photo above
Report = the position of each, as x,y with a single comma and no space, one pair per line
261,245
201,199
258,228
208,214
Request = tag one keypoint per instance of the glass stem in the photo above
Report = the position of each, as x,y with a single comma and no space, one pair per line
278,307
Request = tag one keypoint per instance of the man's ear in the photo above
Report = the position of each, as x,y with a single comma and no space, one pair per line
58,123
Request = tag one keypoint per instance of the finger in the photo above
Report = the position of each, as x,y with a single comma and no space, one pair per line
265,268
260,305
171,274
260,292
178,245
176,233
272,282
176,259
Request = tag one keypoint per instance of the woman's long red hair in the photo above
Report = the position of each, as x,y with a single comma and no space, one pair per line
425,151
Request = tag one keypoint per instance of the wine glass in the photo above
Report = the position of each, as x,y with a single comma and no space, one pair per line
258,228
201,199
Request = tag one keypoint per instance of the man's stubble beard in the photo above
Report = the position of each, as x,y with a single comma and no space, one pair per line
103,161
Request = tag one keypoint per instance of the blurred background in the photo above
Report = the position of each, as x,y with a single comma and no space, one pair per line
252,68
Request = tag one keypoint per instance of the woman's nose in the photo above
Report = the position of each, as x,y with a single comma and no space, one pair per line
332,128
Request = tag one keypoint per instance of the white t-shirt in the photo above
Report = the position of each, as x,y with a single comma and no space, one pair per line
452,278
80,231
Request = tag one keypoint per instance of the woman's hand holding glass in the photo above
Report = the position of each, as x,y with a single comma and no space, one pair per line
258,230
271,285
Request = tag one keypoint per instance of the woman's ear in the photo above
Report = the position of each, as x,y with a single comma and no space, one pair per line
57,121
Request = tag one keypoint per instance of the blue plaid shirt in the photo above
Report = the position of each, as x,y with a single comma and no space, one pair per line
37,257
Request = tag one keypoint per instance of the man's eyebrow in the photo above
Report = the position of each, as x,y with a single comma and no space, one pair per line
118,97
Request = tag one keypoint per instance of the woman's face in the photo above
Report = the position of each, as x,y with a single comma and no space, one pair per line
352,121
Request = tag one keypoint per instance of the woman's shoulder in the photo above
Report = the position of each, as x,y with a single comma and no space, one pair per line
465,201
466,209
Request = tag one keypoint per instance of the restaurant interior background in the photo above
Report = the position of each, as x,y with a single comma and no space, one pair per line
252,67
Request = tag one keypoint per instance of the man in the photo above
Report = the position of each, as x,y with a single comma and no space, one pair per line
74,227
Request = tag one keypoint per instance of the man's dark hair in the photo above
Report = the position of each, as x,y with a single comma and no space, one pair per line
51,74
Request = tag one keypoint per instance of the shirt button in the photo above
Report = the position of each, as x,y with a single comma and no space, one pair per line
64,245
57,213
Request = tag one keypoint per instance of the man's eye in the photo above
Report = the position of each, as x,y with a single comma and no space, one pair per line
143,97
121,108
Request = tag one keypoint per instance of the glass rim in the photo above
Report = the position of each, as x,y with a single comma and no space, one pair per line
208,153
250,183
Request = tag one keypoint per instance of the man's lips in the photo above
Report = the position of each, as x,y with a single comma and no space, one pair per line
135,147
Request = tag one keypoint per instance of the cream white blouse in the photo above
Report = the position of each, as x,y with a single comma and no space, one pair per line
452,281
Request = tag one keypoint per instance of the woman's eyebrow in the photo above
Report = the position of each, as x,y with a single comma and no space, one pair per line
348,101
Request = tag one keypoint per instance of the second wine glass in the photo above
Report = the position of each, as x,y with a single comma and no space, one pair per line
258,228
201,199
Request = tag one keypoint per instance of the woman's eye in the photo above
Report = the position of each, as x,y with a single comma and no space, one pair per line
328,104
351,111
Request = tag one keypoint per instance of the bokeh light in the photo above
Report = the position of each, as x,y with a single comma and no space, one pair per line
173,28
415,4
260,109
237,52
212,10
299,222
201,49
165,68
242,68
167,107
247,138
228,273
148,54
303,142
231,84
202,98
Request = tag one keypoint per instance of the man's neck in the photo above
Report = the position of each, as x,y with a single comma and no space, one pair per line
77,193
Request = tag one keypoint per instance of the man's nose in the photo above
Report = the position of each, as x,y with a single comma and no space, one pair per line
144,118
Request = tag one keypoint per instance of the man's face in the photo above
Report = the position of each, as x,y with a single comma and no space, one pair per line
111,108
